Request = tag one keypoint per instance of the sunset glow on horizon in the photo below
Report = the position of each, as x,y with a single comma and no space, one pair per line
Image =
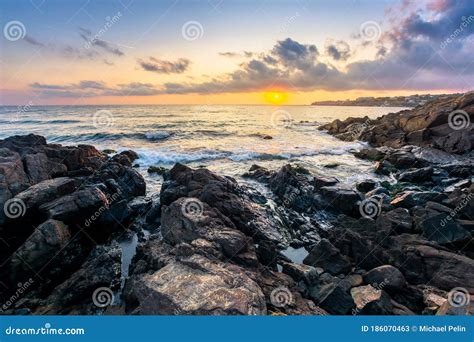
239,52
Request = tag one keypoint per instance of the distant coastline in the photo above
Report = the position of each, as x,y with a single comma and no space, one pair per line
386,101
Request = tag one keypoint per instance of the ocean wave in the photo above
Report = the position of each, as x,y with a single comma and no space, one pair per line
170,157
167,157
101,137
158,135
17,121
213,133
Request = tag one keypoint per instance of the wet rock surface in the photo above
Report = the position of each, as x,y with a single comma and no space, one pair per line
399,243
431,125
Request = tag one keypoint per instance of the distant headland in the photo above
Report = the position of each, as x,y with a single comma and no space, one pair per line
386,101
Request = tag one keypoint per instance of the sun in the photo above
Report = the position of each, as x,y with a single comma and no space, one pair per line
275,97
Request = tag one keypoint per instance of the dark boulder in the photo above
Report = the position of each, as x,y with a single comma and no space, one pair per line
328,257
341,199
47,240
79,294
225,195
386,277
419,175
76,207
333,298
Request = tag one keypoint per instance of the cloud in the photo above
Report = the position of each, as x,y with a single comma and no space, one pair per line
229,54
92,41
426,48
37,85
133,89
69,51
165,67
29,39
88,88
339,50
91,85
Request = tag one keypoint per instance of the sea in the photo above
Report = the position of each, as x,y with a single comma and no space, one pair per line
227,139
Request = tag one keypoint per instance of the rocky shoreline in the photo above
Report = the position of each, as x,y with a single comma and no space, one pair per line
209,245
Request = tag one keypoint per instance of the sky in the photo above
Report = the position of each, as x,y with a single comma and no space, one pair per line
231,52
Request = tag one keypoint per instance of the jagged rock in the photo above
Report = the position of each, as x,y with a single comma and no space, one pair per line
420,262
396,221
151,256
46,241
328,257
319,182
371,301
300,272
438,207
366,185
13,178
46,191
370,154
132,155
425,126
341,199
333,298
418,175
195,286
442,229
384,167
40,168
259,173
127,181
293,188
159,170
77,206
409,199
226,196
76,294
179,225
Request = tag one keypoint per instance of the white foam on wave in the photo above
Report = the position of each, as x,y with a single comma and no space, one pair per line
170,156
148,157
